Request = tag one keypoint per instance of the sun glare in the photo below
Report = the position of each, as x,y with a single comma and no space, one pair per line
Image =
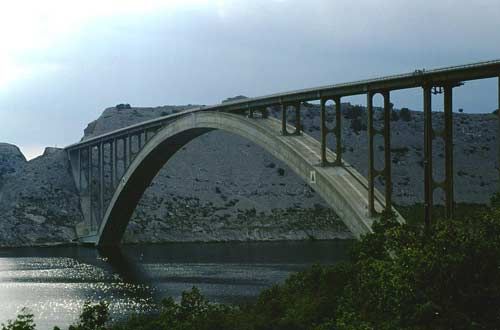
28,28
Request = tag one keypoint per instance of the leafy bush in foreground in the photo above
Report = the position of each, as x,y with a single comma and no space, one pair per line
93,317
448,278
24,321
399,277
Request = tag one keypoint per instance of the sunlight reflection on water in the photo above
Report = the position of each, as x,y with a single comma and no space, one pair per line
55,282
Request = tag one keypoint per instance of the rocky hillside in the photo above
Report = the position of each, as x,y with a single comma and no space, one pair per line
38,202
11,159
222,187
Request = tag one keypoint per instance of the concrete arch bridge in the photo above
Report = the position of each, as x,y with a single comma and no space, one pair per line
112,171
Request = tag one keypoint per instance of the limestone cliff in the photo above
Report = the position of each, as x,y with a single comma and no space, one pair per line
39,203
11,160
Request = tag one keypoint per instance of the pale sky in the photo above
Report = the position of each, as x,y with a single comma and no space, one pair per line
62,62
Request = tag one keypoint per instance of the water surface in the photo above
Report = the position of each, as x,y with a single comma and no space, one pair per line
55,282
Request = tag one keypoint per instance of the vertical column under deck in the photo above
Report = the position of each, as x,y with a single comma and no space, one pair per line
80,161
337,131
283,120
101,182
114,160
447,135
428,137
372,171
127,151
498,131
323,131
387,151
448,150
371,160
90,186
298,125
284,108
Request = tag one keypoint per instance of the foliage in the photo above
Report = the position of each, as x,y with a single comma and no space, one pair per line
357,125
193,312
123,106
405,114
93,317
24,321
414,214
394,115
353,112
447,278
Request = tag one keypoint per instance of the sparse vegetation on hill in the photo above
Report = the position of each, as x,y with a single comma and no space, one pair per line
405,114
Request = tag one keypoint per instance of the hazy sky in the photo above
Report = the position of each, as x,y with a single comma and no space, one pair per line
62,62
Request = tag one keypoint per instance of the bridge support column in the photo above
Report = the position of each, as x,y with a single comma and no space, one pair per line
101,182
114,160
127,151
447,135
298,124
80,161
91,187
283,120
264,113
323,131
498,133
337,130
448,149
428,137
387,151
371,159
386,172
284,108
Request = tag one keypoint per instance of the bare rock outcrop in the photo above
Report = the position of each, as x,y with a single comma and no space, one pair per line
11,160
39,204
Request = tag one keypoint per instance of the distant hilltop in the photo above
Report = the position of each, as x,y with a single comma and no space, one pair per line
122,106
236,98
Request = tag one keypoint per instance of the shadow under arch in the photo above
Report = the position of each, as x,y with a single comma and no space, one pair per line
343,188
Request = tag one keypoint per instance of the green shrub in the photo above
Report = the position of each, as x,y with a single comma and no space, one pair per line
24,321
405,114
357,125
353,112
405,278
394,115
93,317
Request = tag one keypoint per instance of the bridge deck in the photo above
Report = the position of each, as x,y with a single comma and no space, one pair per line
480,70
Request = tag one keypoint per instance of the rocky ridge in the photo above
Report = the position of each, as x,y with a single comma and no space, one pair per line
39,203
11,159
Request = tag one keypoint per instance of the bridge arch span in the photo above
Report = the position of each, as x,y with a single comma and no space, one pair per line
342,187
